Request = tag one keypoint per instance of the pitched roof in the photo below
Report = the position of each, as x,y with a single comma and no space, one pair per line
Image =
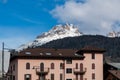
91,49
46,53
53,52
115,73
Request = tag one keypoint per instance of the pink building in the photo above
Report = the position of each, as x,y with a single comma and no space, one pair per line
57,64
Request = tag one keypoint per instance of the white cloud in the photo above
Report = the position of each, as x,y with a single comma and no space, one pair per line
93,16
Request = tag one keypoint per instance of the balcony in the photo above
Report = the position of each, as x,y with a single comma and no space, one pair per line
42,72
80,72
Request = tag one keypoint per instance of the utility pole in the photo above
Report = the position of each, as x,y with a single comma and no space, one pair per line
3,61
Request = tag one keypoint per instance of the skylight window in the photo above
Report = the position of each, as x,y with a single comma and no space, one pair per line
60,54
41,53
27,52
48,53
76,54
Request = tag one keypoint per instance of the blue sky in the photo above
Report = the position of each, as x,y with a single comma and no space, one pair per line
22,20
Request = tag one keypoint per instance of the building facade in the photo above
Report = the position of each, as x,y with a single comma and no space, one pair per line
56,64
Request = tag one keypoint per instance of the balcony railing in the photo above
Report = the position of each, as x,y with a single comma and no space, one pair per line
45,71
80,71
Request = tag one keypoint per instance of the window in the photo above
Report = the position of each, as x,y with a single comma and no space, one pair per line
10,77
93,75
81,66
68,70
13,77
11,69
52,65
27,77
93,66
27,52
61,77
69,61
93,55
76,65
14,67
41,66
61,65
52,76
68,79
27,65
85,78
48,54
81,77
76,77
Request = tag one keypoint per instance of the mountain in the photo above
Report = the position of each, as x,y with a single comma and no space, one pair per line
57,32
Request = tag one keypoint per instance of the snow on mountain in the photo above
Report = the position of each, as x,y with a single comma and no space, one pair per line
57,32
113,34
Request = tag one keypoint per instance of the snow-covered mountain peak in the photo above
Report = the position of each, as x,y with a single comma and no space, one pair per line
57,32
67,29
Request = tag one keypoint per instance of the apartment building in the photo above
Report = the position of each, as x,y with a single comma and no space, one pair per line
56,64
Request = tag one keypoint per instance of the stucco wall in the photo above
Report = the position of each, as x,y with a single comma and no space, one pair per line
98,66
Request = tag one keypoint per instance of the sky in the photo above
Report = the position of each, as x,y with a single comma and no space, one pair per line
21,21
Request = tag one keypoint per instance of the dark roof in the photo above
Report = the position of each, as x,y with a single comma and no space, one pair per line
47,53
90,49
50,52
115,73
44,53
